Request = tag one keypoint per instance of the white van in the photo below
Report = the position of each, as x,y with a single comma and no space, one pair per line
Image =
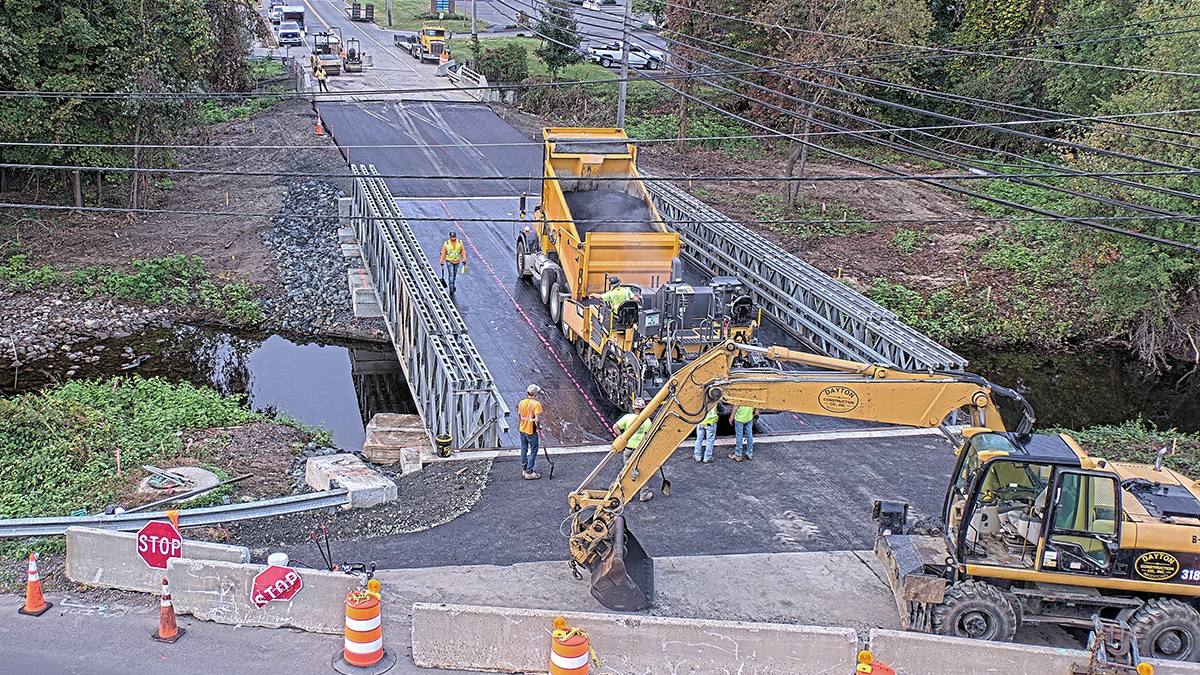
289,34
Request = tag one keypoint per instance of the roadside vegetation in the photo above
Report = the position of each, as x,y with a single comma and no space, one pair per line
178,281
1140,441
1030,279
408,15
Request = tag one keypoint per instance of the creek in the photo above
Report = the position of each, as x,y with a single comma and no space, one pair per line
337,385
340,385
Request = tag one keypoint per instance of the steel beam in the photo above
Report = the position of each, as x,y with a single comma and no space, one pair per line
452,387
821,311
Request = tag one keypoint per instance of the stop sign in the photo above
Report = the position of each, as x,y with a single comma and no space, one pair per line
157,542
275,583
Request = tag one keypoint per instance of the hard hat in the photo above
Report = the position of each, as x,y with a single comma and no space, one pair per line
639,403
453,234
532,390
615,281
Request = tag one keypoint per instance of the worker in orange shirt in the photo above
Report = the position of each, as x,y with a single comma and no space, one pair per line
452,256
529,410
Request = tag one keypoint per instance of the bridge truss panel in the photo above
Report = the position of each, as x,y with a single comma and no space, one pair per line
819,310
452,387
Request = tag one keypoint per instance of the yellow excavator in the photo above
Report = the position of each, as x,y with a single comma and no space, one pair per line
1033,529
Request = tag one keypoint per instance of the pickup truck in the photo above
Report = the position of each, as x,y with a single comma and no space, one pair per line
639,57
289,34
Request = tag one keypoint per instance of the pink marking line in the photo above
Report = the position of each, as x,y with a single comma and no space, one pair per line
549,348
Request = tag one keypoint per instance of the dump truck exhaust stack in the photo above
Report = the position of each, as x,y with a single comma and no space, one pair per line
623,580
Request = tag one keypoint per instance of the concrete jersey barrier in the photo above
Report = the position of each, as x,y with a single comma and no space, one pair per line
467,637
924,654
110,559
221,592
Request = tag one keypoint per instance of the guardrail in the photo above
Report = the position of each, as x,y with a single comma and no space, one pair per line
832,318
453,389
213,515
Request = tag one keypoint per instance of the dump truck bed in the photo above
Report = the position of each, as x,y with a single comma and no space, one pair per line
609,211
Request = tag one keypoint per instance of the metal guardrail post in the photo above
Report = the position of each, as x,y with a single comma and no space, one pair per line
825,313
453,389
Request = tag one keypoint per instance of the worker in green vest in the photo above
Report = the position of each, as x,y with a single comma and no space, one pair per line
618,296
636,439
706,433
742,420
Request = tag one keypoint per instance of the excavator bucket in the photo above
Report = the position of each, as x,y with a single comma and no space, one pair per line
624,580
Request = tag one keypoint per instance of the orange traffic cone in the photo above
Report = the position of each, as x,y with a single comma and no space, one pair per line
168,631
320,129
35,602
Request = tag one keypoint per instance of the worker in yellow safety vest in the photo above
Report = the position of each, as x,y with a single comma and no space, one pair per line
618,295
706,434
636,439
453,256
529,410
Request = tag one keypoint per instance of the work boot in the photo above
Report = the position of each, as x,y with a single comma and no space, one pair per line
532,476
736,458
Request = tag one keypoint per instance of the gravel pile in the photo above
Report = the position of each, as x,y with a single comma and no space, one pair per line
311,264
439,493
35,328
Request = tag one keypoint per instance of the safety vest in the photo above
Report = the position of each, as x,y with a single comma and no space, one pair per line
453,250
528,410
710,418
618,296
744,413
636,439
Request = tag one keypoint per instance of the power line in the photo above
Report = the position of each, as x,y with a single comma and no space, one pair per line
953,188
701,178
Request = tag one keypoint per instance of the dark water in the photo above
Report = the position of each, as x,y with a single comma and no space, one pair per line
1082,390
334,385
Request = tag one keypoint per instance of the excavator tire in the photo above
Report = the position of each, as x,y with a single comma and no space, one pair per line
975,609
1167,629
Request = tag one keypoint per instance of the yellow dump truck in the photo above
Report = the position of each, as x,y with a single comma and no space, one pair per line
609,270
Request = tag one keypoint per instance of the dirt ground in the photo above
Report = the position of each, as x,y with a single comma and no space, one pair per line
231,246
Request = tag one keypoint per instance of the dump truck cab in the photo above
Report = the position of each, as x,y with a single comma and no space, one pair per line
428,44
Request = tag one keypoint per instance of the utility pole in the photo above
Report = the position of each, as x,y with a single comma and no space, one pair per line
474,33
624,65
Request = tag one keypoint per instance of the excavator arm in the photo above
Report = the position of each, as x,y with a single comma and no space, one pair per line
600,542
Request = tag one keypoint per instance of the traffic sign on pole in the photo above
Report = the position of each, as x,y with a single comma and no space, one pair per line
158,542
275,583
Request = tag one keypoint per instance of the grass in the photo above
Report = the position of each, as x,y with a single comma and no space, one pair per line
175,280
584,70
826,219
1140,441
909,241
408,15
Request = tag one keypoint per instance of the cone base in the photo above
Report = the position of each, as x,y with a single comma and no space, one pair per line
385,664
39,612
171,640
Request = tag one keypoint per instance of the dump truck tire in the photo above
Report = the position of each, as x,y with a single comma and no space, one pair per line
1167,629
522,272
548,279
975,609
556,303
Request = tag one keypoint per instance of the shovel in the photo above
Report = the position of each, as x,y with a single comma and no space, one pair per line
443,275
546,452
666,484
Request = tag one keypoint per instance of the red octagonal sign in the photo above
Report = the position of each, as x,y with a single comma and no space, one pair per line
275,583
158,542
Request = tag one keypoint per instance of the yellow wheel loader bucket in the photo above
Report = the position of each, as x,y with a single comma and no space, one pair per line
623,580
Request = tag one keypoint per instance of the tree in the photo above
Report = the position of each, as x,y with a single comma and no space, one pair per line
657,9
560,37
509,63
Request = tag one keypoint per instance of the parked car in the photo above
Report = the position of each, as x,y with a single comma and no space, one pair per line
275,14
289,34
639,57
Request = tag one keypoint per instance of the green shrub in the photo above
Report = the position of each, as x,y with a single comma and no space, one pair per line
509,63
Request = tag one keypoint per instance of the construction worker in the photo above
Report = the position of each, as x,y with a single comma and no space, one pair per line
453,255
742,420
636,439
529,410
706,433
618,295
321,76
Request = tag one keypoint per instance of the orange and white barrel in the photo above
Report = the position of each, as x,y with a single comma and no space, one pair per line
444,58
364,630
569,650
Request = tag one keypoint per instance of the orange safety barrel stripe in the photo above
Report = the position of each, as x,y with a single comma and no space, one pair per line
367,610
576,645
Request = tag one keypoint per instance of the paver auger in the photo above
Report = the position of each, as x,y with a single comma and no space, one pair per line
1033,529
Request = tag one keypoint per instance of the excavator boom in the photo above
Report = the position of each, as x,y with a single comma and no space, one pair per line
601,542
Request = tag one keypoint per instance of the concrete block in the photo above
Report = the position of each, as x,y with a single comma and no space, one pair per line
345,208
347,235
351,250
367,310
466,637
221,591
367,487
109,559
393,438
924,654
